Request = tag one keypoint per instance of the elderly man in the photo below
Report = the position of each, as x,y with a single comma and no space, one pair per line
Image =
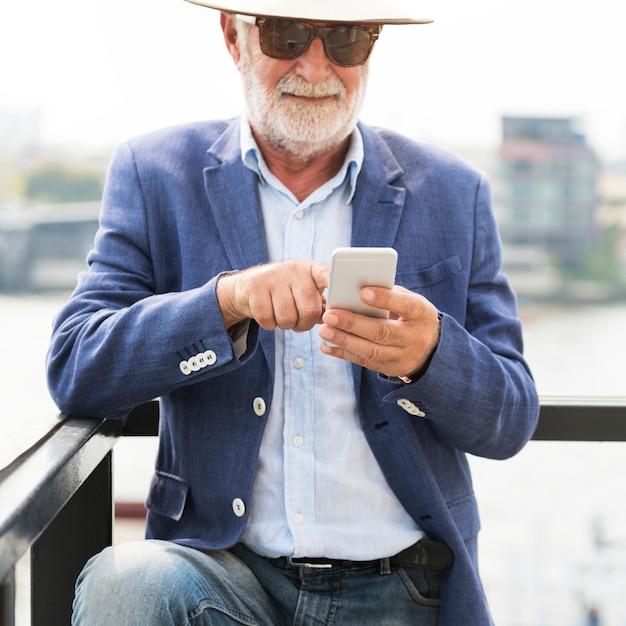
297,481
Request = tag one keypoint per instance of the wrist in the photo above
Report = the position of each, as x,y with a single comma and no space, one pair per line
421,370
225,293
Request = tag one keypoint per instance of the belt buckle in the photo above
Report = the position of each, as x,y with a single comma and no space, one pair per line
308,565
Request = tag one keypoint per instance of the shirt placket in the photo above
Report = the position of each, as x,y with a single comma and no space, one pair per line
299,410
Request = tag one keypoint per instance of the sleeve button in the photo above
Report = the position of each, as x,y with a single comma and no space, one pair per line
410,408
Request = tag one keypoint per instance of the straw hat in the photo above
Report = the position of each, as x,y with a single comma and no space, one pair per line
353,11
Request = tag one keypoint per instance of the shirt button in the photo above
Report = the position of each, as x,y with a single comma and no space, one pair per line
258,404
298,441
239,508
299,518
298,363
299,214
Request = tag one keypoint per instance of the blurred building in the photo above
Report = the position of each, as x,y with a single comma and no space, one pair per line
547,196
44,247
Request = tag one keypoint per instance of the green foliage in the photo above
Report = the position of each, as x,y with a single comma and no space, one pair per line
10,181
600,265
55,182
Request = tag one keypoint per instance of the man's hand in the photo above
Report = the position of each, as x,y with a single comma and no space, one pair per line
286,295
397,346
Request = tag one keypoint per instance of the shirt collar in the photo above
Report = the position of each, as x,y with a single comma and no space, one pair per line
253,159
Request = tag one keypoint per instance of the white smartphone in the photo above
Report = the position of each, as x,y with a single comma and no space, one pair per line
351,269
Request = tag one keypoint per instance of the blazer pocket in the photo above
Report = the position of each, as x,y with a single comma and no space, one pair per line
429,276
464,511
167,495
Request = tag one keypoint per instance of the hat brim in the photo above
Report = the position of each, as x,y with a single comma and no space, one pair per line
352,11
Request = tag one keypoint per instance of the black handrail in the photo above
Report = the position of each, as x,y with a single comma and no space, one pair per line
560,419
56,499
581,419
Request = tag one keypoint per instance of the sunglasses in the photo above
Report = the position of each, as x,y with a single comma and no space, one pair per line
345,45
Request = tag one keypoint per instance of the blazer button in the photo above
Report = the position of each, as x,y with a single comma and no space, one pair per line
410,408
210,357
185,368
258,404
239,508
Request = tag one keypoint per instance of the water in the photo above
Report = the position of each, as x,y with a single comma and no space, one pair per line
577,351
553,544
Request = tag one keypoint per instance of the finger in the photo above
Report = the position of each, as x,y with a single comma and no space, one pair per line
309,303
298,302
394,358
285,309
347,324
262,309
399,301
359,334
392,346
412,312
355,349
320,273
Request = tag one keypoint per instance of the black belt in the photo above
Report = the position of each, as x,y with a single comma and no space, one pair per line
425,553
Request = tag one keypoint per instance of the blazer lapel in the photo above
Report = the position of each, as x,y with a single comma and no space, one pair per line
231,189
232,192
377,205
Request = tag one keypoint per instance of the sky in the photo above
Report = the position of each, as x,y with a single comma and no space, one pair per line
99,71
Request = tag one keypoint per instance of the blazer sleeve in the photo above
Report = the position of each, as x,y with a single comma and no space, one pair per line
118,341
478,393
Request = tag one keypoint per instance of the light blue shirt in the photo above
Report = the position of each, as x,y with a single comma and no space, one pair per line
319,491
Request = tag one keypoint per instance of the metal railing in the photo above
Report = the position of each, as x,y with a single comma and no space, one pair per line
57,498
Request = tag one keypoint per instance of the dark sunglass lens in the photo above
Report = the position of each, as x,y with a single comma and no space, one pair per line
349,45
284,39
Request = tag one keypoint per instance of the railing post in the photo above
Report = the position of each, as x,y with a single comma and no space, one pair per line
7,599
81,529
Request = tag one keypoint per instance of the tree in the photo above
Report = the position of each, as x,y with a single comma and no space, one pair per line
55,182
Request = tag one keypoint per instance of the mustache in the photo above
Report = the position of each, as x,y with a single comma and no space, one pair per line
294,85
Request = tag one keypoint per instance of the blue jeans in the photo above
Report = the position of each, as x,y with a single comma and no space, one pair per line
157,582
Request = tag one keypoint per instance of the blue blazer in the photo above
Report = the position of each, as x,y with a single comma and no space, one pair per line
180,208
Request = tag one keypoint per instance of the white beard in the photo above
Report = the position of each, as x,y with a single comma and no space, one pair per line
301,130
